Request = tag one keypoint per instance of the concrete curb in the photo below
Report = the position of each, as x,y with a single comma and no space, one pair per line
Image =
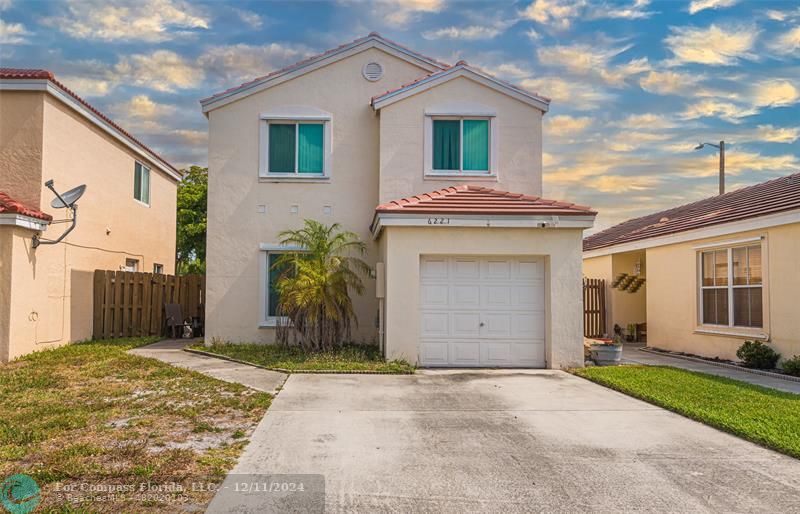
299,371
781,376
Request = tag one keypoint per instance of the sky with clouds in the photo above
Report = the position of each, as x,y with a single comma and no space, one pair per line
635,84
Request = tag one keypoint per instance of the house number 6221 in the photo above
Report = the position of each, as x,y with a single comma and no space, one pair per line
438,221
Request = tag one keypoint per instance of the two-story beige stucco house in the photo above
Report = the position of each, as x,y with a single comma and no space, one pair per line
126,218
417,157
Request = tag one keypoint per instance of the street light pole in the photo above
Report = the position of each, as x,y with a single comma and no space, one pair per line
722,167
721,148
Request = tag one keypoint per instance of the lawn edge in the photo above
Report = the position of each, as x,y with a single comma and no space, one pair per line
665,353
576,372
298,371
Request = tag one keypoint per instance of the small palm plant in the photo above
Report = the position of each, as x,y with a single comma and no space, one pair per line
314,285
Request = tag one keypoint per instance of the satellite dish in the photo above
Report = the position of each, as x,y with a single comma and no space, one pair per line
70,197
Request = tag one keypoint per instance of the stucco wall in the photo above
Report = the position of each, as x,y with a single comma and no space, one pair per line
21,114
402,141
236,228
563,287
51,286
672,296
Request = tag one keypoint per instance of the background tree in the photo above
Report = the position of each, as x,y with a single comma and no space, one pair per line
192,220
314,285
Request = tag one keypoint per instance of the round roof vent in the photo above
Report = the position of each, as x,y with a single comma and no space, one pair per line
372,71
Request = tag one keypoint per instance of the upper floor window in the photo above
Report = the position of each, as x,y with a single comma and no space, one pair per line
141,183
461,145
296,148
731,287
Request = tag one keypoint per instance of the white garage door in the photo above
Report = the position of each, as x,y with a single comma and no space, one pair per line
482,312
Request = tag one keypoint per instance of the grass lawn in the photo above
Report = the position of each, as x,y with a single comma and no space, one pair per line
765,416
89,413
347,358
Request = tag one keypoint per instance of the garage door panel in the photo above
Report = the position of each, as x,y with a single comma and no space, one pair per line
497,269
465,296
496,324
466,269
528,355
495,353
434,268
435,324
530,269
530,296
496,296
434,353
434,295
465,353
527,325
466,324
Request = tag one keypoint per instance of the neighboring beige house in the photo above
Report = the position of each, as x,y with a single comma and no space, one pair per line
415,156
717,272
126,218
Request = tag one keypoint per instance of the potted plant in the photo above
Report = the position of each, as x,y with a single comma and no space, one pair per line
606,354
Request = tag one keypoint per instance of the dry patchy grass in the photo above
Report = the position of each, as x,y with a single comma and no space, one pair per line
92,413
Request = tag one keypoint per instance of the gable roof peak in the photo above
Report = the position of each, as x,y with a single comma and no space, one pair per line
317,61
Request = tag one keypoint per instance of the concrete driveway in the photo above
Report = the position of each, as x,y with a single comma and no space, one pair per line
502,441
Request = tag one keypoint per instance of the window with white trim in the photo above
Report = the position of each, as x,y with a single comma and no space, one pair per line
131,265
141,183
158,269
461,145
296,148
731,287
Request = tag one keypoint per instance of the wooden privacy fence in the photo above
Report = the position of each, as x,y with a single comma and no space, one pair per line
594,307
130,304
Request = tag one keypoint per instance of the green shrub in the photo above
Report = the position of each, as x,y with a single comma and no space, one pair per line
755,354
792,366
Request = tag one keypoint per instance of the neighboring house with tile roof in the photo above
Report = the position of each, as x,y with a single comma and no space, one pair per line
438,168
712,273
126,217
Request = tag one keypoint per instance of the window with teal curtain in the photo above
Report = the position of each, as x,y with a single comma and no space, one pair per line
309,149
281,148
446,144
476,145
273,295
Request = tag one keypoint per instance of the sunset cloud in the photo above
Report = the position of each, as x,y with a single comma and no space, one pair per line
145,20
715,45
701,5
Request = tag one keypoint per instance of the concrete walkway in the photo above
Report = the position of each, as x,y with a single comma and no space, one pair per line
171,352
632,354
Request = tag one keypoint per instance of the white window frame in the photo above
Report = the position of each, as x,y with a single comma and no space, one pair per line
297,118
491,173
730,287
131,265
149,180
265,320
158,269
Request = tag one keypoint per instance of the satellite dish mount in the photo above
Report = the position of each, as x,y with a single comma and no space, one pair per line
66,201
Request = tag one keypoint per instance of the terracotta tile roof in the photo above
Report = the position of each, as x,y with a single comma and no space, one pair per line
777,195
459,64
10,206
317,57
470,199
28,74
